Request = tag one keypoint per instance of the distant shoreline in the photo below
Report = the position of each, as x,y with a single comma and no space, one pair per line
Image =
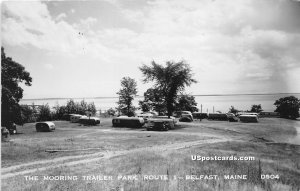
196,95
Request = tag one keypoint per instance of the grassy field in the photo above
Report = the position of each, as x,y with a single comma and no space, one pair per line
158,153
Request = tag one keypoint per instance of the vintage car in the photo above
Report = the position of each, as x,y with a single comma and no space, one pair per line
12,128
232,117
160,124
74,118
45,126
4,133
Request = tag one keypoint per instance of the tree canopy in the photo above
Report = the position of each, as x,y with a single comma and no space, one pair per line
232,109
256,108
153,101
169,80
126,96
186,102
288,107
12,74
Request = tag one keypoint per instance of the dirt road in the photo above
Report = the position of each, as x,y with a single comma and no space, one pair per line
87,158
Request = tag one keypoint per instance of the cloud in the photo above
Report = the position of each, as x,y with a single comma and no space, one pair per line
55,34
48,66
61,16
225,41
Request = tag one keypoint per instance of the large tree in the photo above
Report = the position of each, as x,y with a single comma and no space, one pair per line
256,108
169,80
153,101
186,102
126,96
12,74
288,107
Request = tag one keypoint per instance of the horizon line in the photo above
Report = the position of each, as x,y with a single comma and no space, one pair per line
106,97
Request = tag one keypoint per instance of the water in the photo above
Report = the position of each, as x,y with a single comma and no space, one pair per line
209,103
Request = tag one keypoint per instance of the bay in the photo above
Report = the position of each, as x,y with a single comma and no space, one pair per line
210,103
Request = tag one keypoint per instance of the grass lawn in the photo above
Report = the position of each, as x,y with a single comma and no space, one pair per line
244,139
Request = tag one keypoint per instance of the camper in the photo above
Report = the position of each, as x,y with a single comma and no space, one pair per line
84,120
74,118
248,113
199,115
160,124
166,117
269,114
131,122
45,126
248,118
218,116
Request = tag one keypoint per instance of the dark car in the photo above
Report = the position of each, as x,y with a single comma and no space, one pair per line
4,133
232,117
160,124
12,128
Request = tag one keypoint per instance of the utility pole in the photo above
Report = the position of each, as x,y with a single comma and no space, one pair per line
201,113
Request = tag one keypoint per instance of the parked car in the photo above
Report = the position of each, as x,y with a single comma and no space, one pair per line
12,128
183,114
232,117
185,119
45,126
4,133
74,118
160,124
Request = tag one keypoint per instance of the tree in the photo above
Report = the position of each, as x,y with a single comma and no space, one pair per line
12,74
71,107
169,80
92,108
233,110
256,108
153,101
44,113
59,111
186,103
27,114
111,112
288,107
126,96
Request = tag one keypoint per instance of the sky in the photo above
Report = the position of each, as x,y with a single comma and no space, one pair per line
84,48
